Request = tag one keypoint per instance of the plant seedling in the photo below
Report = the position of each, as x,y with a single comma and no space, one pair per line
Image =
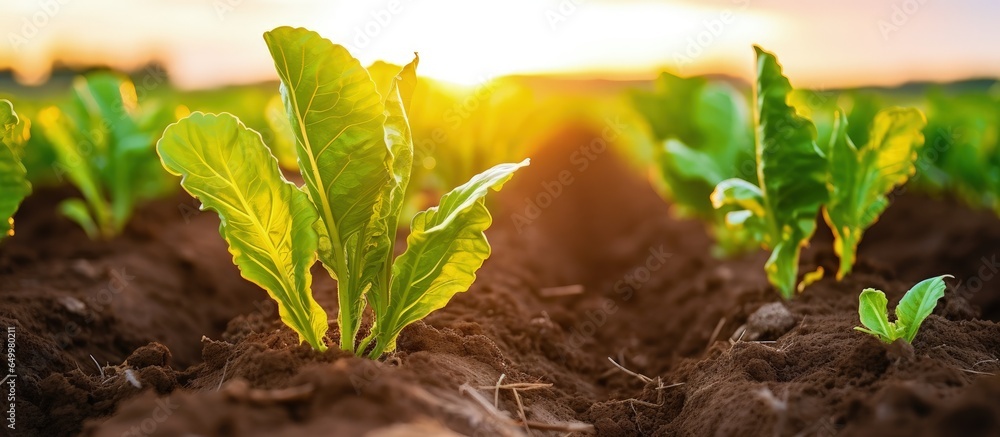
780,211
860,177
913,308
355,152
103,144
705,133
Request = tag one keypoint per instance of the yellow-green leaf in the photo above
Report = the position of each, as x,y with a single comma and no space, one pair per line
104,145
76,164
917,304
859,178
105,115
874,315
337,117
791,172
445,248
77,211
266,220
381,233
14,185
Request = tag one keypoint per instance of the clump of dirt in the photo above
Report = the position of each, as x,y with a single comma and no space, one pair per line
80,306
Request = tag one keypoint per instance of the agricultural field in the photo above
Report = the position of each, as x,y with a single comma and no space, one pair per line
348,246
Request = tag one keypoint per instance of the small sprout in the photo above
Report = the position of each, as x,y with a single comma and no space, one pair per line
913,308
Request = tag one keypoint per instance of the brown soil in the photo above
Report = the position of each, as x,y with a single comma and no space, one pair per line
651,297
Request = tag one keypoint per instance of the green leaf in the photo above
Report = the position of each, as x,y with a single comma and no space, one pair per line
668,107
743,204
864,108
77,211
873,312
917,304
104,146
782,266
691,164
266,220
740,193
337,117
820,107
859,178
791,173
388,76
381,234
445,248
913,309
791,169
691,174
77,164
14,185
705,132
106,106
8,122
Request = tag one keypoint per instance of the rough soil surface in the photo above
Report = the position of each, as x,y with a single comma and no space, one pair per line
596,267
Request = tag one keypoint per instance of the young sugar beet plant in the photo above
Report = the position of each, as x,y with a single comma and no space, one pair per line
913,308
796,177
14,185
779,211
859,178
704,130
103,143
352,140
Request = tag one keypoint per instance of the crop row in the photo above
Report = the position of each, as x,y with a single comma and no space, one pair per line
758,171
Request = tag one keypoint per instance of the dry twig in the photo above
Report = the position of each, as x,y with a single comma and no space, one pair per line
565,290
484,404
715,333
641,377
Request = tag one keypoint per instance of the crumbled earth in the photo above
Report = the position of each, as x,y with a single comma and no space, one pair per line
155,333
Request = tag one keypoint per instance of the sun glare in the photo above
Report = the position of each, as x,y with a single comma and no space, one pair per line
472,42
459,41
467,42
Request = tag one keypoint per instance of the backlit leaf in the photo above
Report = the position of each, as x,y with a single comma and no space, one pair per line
337,117
874,315
917,304
266,220
791,172
14,185
445,248
860,178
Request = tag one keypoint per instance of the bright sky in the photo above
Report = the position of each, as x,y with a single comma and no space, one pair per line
206,43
